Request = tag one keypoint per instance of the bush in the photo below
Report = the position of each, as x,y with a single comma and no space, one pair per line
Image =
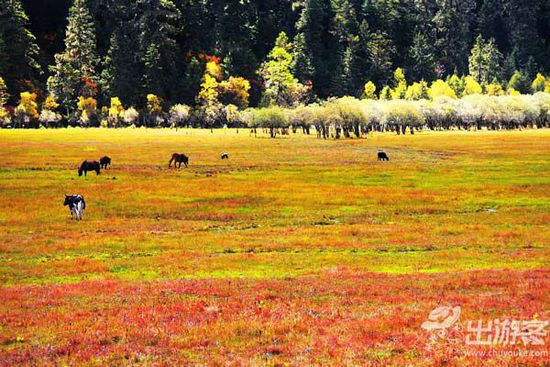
272,118
402,114
179,114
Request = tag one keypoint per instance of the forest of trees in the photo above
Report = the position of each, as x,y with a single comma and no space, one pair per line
160,61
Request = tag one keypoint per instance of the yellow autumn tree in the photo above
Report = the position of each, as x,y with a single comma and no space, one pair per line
369,90
235,91
440,88
154,109
116,112
538,83
88,107
50,104
27,109
471,86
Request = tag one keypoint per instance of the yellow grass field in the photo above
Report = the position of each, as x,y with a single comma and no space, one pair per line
296,251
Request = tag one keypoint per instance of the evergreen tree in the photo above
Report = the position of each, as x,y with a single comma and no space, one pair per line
121,71
519,82
381,52
18,49
452,25
158,25
344,31
484,61
422,58
311,54
74,73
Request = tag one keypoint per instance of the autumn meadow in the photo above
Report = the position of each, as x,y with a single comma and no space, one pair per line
295,251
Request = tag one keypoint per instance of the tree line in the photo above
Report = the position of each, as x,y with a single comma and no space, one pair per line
204,62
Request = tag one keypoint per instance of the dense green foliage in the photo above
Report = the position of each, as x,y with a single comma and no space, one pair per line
161,46
204,63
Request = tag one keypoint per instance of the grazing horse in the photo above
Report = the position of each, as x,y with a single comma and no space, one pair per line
178,159
105,162
76,205
89,166
382,156
224,156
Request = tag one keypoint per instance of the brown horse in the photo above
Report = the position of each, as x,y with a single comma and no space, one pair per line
89,166
178,159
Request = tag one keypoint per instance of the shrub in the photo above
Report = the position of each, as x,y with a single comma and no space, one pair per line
179,114
272,118
130,116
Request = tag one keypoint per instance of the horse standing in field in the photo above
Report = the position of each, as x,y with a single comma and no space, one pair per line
382,156
224,156
105,162
76,205
178,159
89,166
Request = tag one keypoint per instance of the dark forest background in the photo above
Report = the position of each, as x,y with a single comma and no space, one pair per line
340,44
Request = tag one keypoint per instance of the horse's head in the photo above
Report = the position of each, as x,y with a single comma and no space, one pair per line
67,200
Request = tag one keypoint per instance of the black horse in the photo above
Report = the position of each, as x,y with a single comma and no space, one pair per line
224,156
76,205
89,166
382,156
178,159
105,162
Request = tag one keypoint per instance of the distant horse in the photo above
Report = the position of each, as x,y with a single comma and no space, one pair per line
178,159
89,166
382,156
105,162
76,205
224,156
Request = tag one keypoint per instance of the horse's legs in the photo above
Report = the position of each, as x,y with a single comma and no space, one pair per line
85,173
170,163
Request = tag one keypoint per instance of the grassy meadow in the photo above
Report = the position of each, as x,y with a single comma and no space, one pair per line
295,251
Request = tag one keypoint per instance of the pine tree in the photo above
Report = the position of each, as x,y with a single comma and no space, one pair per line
74,73
381,52
311,54
159,26
422,58
484,61
18,49
122,70
344,31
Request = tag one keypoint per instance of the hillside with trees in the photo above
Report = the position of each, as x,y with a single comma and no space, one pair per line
205,63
